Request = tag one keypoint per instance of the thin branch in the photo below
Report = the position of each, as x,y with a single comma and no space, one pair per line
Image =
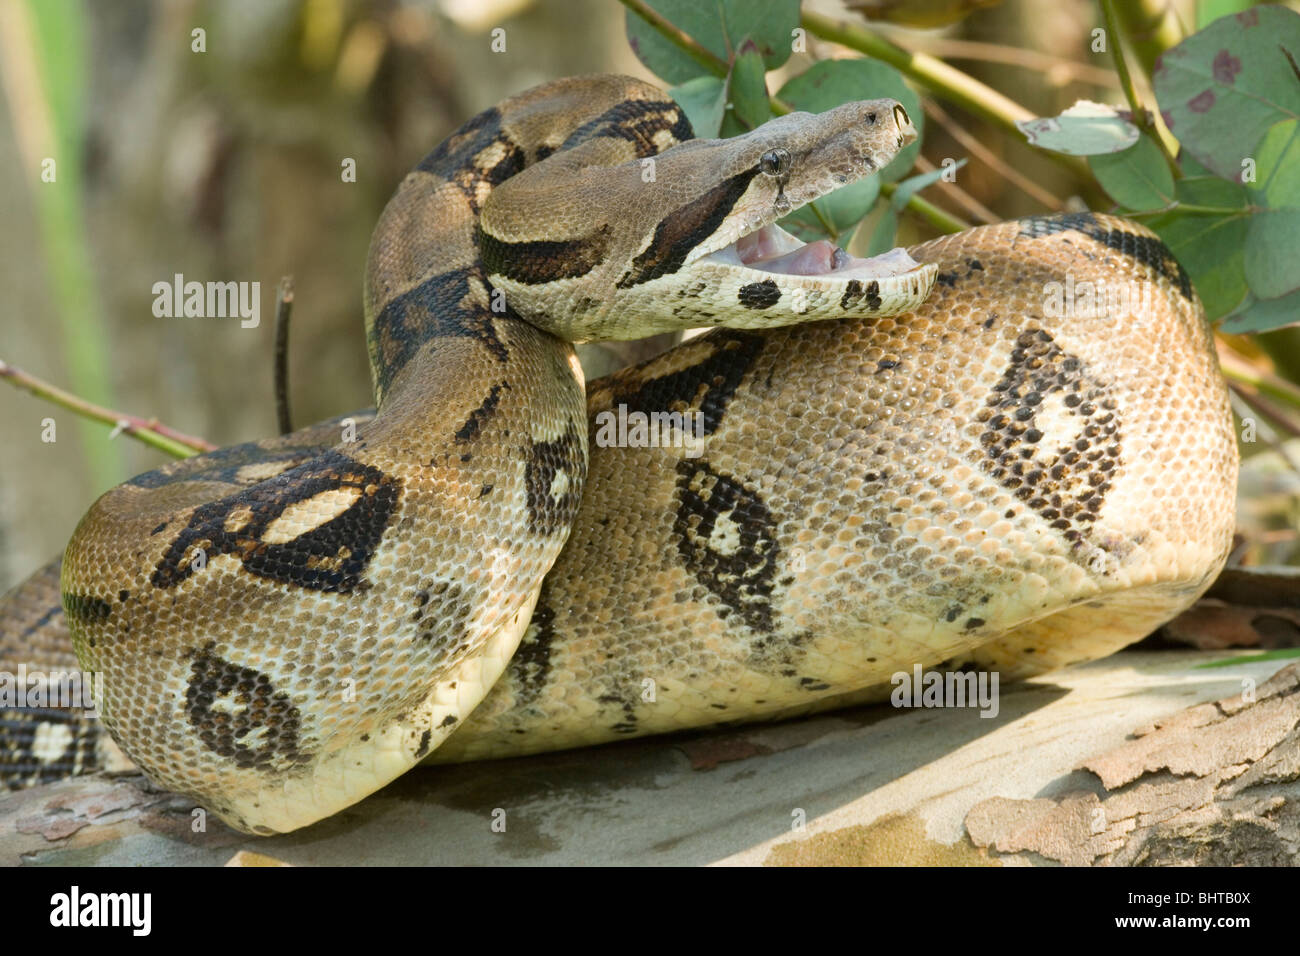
678,37
1239,370
990,159
283,309
927,211
1245,399
150,431
1150,29
966,91
1141,117
959,195
1252,398
955,49
1192,209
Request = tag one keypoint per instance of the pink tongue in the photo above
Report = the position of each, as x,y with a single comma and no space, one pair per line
757,246
814,259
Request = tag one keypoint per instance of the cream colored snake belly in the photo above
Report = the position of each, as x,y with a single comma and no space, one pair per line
989,475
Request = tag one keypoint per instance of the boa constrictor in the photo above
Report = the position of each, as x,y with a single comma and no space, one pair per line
995,475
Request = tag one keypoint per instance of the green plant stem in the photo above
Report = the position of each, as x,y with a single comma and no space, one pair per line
927,211
1239,370
43,49
1141,117
1121,66
1151,28
678,37
151,432
960,88
1212,210
824,222
947,81
1193,209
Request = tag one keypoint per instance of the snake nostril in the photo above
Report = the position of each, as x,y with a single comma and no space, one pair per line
901,117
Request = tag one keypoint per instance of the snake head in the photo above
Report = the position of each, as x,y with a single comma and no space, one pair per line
689,237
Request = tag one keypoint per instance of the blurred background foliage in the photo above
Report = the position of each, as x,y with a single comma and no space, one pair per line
224,164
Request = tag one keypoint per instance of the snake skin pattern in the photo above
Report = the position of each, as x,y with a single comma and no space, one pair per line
978,483
277,635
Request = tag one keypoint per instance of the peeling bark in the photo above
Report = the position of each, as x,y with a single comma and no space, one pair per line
1217,784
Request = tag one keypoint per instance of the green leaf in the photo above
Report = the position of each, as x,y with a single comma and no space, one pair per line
884,236
1222,88
59,47
732,126
719,26
1190,167
1210,247
1210,190
1264,315
831,83
704,101
1207,11
1085,129
844,208
1138,178
747,85
909,187
1271,244
1277,169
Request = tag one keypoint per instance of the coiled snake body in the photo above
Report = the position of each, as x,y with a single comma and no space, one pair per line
978,476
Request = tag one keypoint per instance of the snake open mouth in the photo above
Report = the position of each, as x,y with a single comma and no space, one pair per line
772,250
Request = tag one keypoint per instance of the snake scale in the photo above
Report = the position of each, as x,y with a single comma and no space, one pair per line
917,459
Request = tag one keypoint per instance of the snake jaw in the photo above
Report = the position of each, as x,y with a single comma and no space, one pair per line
771,250
795,166
761,217
754,243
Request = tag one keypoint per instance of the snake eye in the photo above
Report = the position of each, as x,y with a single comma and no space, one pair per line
775,162
901,117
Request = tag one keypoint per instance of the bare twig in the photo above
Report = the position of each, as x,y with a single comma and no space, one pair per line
968,92
1039,62
1242,372
283,309
150,431
990,159
1253,399
959,195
